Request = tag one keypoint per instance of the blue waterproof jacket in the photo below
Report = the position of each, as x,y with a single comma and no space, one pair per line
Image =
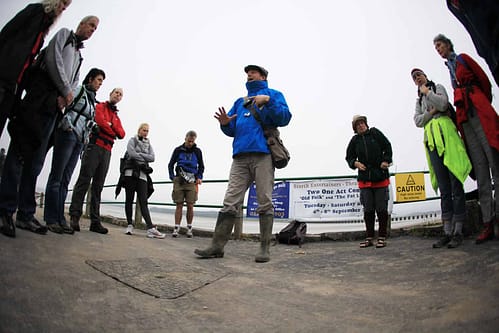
189,159
246,130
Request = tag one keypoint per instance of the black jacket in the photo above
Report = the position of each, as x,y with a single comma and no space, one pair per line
370,148
17,40
480,18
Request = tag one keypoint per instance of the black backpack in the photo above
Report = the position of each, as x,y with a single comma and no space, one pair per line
293,233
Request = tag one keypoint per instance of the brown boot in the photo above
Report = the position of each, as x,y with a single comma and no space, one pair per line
99,228
75,223
486,234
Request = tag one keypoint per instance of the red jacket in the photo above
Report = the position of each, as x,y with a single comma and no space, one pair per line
106,116
474,87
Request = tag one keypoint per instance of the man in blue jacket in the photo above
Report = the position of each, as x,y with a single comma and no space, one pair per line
186,169
251,159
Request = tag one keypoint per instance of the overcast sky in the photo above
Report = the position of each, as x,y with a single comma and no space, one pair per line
178,61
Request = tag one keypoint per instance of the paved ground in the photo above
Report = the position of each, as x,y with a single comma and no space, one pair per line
117,283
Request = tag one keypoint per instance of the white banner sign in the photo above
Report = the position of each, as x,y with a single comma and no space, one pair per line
332,199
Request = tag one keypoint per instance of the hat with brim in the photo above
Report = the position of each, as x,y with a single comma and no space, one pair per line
260,69
356,119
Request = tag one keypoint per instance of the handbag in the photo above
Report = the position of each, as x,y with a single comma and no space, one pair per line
280,154
122,165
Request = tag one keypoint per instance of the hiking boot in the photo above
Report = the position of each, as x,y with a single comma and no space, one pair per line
189,233
129,230
456,240
175,232
66,228
75,223
97,227
154,233
7,226
486,234
55,228
442,242
32,225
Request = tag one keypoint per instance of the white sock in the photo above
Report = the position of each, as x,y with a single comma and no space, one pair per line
189,226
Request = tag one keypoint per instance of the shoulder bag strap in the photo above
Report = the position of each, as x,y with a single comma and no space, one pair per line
248,103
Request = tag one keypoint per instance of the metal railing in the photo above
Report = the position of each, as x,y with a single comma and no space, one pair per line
213,181
426,216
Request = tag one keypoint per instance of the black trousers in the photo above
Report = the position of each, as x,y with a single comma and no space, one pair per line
94,167
136,185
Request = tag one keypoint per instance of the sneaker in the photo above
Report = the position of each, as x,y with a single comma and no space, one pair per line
154,233
456,240
189,233
175,232
442,242
129,230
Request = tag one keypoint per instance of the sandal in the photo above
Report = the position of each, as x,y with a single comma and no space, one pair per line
368,242
381,242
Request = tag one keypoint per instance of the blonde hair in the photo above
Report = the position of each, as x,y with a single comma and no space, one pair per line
142,126
49,6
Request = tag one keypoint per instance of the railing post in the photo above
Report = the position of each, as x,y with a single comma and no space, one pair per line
238,223
389,225
138,214
473,221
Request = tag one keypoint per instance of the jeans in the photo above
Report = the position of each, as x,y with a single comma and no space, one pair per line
67,149
452,197
246,169
94,167
17,175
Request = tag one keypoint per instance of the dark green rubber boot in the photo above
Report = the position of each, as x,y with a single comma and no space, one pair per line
266,222
223,230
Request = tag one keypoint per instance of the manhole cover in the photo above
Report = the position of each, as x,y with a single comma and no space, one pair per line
159,278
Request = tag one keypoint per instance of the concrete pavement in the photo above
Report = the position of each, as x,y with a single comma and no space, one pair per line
89,282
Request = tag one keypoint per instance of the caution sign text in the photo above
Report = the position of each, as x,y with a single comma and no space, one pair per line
410,187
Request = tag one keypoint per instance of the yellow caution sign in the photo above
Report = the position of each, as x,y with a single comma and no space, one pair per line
410,186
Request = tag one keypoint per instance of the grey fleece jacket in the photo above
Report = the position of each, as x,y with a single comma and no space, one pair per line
63,62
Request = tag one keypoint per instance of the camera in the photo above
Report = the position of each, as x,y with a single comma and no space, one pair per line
92,125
